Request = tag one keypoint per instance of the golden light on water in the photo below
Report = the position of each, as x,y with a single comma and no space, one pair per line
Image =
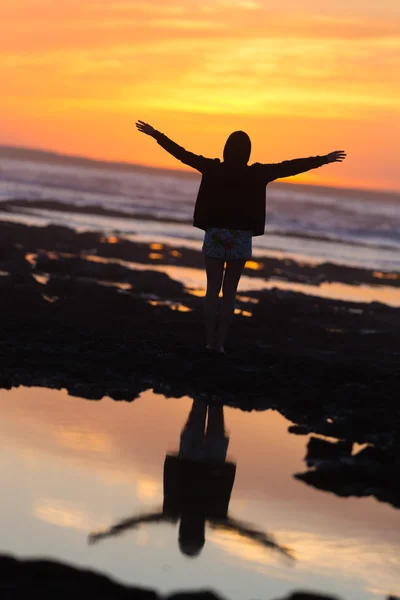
380,275
170,305
83,440
109,240
198,293
253,265
148,489
62,514
244,313
181,308
31,258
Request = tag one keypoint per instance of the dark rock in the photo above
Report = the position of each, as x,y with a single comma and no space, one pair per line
47,580
318,449
96,341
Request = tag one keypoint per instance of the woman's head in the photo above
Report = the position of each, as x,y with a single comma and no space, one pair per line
192,535
237,148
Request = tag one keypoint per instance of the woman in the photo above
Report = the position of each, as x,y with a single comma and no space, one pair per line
230,208
198,483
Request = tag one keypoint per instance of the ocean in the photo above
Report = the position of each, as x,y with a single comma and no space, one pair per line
350,227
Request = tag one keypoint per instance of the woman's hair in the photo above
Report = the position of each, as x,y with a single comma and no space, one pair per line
237,148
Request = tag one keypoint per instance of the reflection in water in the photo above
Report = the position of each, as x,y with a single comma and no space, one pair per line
193,280
112,239
172,305
70,466
198,482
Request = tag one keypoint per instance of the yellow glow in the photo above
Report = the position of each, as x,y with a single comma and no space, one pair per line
175,253
182,308
61,514
148,489
109,240
300,81
244,549
170,305
253,265
156,246
155,256
198,293
380,275
42,279
245,313
83,440
31,258
248,299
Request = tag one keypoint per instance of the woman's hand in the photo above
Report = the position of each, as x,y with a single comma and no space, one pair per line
337,156
145,128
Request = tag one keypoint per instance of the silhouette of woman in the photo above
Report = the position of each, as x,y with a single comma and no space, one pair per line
198,483
230,208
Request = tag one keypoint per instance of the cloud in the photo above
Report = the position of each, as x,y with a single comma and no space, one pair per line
234,58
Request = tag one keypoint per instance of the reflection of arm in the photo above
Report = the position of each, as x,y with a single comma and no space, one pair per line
188,158
129,524
249,532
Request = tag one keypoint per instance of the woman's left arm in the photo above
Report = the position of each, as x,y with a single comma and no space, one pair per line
196,161
288,168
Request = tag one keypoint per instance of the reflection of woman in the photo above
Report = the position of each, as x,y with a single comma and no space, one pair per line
198,483
230,208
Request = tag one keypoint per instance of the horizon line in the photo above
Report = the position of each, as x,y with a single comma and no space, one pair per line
125,165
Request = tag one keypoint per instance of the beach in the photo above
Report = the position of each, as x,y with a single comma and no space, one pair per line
102,305
77,305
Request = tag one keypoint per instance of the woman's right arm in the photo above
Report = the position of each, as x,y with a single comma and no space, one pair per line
128,524
195,161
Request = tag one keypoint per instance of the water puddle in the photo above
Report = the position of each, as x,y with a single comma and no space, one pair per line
194,280
99,484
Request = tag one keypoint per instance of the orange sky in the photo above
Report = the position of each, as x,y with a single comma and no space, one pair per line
300,78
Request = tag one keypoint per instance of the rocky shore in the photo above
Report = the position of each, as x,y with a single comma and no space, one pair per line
75,314
51,579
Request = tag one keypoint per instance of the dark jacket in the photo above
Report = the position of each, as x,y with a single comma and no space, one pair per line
197,487
233,196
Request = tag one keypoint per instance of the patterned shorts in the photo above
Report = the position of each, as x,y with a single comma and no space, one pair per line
227,244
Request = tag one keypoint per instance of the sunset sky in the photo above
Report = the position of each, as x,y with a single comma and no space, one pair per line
302,78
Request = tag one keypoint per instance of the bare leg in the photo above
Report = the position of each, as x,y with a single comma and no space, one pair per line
192,435
233,271
214,271
216,441
215,420
197,417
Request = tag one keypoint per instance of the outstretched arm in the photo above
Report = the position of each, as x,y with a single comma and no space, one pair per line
288,168
248,531
127,524
196,161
